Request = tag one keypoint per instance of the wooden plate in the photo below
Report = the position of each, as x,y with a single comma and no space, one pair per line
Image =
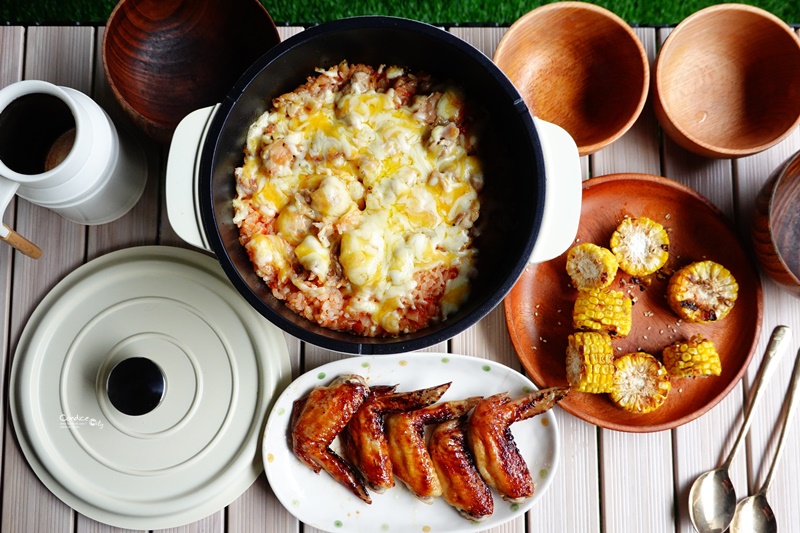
539,307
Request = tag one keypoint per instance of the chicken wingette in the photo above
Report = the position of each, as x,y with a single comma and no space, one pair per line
411,461
489,436
364,440
316,421
462,485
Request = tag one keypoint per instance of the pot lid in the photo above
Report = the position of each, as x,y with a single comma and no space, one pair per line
141,386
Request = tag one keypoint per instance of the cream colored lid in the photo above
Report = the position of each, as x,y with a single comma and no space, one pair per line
223,365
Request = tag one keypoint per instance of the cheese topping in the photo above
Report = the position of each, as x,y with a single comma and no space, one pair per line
362,183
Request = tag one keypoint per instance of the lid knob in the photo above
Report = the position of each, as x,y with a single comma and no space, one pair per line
136,386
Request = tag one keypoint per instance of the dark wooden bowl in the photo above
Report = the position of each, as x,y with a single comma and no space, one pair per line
539,307
722,93
166,58
580,66
776,225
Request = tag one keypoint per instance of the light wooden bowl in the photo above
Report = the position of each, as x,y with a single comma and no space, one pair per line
776,225
580,66
166,58
727,81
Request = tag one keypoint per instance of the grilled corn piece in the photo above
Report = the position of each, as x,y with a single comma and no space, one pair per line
590,362
640,245
591,266
702,292
696,357
605,311
641,383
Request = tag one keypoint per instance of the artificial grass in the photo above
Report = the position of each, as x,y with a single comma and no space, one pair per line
442,12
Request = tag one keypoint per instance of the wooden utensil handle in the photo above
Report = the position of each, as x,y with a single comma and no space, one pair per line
22,244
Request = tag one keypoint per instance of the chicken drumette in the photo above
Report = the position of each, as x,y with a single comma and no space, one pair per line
489,436
316,421
363,438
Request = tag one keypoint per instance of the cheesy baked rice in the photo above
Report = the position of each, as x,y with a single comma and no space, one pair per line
357,198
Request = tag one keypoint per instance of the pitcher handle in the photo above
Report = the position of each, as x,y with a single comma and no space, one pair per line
8,189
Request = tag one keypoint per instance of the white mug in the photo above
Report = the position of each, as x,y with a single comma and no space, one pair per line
61,151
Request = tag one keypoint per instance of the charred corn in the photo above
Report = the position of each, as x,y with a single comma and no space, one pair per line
704,291
641,383
696,357
640,245
605,311
591,266
590,362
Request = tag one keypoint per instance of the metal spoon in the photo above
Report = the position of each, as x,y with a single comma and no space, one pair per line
712,498
754,513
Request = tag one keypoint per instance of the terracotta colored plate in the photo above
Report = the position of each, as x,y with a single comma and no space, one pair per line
539,307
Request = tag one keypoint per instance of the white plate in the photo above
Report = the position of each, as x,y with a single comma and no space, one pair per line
319,501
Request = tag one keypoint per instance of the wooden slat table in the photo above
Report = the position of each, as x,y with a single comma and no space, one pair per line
608,481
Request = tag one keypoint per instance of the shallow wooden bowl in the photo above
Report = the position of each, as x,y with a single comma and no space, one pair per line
776,225
580,66
539,307
166,58
727,81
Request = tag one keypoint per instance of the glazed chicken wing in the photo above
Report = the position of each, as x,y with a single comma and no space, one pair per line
363,438
316,421
489,435
411,462
462,485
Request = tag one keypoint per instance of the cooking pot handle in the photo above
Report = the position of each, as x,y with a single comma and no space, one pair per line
562,203
183,201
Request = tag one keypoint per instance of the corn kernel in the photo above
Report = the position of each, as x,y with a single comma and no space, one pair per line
590,362
696,357
602,311
641,383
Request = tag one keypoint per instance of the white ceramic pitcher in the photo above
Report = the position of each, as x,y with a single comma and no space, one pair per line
61,151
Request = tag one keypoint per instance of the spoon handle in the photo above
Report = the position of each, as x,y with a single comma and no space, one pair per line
778,340
790,408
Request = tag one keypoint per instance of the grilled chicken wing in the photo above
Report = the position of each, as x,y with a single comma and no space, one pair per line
411,462
462,485
363,438
316,421
489,435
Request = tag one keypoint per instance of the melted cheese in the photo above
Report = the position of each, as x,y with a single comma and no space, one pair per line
314,159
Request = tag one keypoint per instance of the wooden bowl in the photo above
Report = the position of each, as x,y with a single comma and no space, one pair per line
727,81
776,225
580,66
166,58
539,307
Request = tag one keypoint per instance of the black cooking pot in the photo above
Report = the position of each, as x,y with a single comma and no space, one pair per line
522,211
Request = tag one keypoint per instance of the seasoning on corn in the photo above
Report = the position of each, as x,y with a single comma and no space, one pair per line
641,383
640,245
590,362
605,311
702,292
696,357
591,266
